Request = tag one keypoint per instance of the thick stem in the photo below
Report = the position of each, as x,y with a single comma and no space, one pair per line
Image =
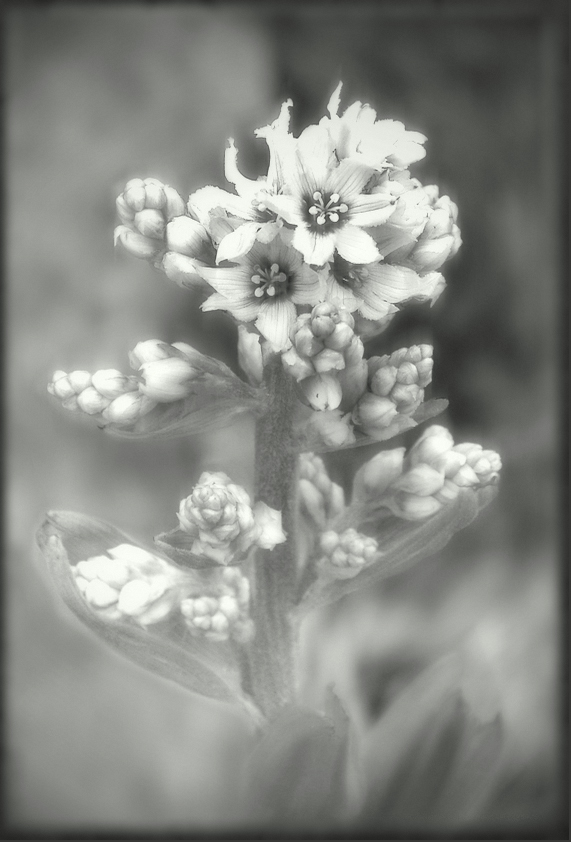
275,570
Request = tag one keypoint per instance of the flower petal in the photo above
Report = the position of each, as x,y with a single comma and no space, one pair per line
341,294
246,187
306,286
203,201
391,237
356,245
316,248
245,310
239,242
370,210
275,321
393,283
288,207
348,179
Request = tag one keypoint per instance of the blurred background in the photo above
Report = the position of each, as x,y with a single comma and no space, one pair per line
96,95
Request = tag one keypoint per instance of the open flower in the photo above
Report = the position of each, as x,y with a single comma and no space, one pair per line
374,288
359,136
264,288
327,202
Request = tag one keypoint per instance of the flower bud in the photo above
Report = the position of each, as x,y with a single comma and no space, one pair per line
183,270
91,402
219,516
319,497
402,376
373,412
347,552
168,379
422,480
128,408
331,429
415,507
128,583
431,447
151,223
322,391
375,476
250,357
222,611
111,383
186,236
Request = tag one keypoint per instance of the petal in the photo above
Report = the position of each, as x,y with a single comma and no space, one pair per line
288,207
334,101
341,294
356,245
349,179
390,237
275,321
306,287
234,281
370,210
246,187
203,201
244,310
239,242
315,248
314,148
394,283
269,522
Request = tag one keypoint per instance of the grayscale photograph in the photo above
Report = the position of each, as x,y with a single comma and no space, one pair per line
285,389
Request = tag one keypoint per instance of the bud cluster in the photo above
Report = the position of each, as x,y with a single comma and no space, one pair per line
417,485
128,583
156,227
108,395
219,516
326,356
439,237
222,610
347,552
166,371
320,498
396,386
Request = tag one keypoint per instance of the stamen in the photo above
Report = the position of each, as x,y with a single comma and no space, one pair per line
343,208
317,196
334,198
256,279
258,292
334,217
274,268
313,210
321,219
271,290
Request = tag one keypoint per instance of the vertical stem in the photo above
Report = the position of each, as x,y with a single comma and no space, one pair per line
275,571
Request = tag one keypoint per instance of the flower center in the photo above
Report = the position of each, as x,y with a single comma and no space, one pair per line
325,210
270,281
349,275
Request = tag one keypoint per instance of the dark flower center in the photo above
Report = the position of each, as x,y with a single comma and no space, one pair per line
325,210
270,281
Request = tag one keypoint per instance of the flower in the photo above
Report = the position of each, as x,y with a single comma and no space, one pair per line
219,515
358,136
327,202
264,287
374,288
128,583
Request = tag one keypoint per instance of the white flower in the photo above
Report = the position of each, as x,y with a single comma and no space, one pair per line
359,136
264,288
327,202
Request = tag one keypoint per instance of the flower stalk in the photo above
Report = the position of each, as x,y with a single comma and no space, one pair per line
272,649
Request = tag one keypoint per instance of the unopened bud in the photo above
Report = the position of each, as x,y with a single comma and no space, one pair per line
149,351
167,380
137,244
183,270
151,223
373,412
91,402
222,611
375,476
329,429
250,354
128,408
349,551
322,391
111,383
186,236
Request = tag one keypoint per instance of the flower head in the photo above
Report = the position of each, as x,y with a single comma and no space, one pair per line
264,287
220,610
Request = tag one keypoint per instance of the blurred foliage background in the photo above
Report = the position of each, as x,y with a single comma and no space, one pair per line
96,95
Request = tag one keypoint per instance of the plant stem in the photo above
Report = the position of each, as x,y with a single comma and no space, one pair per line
275,570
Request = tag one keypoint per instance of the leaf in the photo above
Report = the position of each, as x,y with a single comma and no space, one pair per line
66,538
402,543
296,773
214,403
428,760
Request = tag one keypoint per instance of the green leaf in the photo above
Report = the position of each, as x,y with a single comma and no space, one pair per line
403,543
66,538
428,761
296,773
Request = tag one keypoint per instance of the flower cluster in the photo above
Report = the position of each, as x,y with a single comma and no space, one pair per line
326,357
128,582
220,610
320,499
396,386
219,516
346,553
416,485
337,217
108,395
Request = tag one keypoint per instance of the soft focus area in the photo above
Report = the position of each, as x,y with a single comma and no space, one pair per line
97,95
